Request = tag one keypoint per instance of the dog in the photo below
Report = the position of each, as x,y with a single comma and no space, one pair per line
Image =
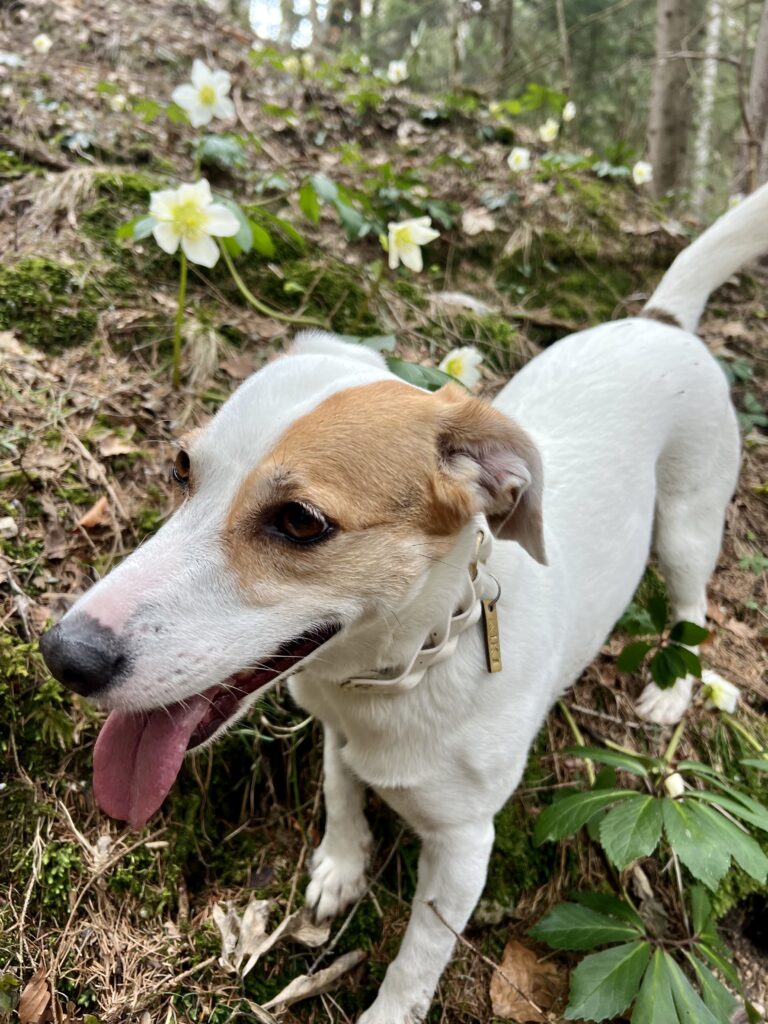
349,531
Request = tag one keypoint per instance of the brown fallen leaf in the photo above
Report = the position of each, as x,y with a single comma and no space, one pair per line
114,445
238,366
97,514
299,927
476,220
35,1001
741,629
56,544
307,985
523,987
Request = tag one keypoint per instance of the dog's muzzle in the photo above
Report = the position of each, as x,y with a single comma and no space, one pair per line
83,655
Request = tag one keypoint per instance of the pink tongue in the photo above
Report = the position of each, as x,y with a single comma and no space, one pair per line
137,758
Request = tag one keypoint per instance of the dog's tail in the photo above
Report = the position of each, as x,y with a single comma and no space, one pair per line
735,239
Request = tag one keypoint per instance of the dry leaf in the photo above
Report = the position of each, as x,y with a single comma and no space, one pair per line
8,528
299,927
476,220
307,985
238,366
35,1001
523,988
97,515
114,445
715,613
741,629
56,545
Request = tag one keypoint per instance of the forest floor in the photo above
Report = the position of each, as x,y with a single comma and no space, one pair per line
120,925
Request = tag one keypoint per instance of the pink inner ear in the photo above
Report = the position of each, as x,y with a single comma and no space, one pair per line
501,470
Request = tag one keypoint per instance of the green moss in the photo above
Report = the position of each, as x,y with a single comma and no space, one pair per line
504,348
47,304
12,166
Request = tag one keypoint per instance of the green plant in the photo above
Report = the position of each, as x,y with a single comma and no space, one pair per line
672,657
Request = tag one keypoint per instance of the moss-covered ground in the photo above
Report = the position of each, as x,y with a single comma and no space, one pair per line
122,921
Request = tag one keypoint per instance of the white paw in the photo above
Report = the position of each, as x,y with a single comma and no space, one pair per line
385,1013
337,878
665,707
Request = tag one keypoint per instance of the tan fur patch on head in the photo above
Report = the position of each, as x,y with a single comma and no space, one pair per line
374,460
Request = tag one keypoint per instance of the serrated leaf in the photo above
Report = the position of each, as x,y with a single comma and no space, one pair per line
708,950
636,764
688,633
570,926
631,830
567,815
605,903
654,1003
658,610
604,984
740,805
262,240
716,996
422,376
743,848
309,204
690,1008
632,656
701,910
690,838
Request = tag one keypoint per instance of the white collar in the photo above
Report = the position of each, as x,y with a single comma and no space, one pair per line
440,644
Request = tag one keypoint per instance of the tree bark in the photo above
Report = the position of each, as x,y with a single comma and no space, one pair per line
454,15
670,97
754,161
702,145
506,22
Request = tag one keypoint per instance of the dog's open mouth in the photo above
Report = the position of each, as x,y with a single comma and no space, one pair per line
138,754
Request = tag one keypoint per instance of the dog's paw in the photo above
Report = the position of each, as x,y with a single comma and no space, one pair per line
665,707
336,879
384,1013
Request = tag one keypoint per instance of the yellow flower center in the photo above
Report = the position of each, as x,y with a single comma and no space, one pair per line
402,235
207,95
188,219
454,366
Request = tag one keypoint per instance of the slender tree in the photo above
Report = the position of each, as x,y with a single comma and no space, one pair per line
670,97
702,145
505,14
754,169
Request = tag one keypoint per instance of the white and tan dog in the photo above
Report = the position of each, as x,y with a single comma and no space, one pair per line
329,532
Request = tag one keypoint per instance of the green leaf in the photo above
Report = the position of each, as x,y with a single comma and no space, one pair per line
631,658
324,188
380,342
309,204
605,903
663,670
688,633
243,240
604,984
712,953
655,1004
716,996
701,910
262,240
658,611
690,837
224,151
740,805
147,110
353,222
691,661
570,926
176,114
631,830
743,848
284,228
567,815
138,228
760,763
422,376
637,764
690,1008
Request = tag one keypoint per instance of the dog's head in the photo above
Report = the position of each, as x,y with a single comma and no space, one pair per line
325,490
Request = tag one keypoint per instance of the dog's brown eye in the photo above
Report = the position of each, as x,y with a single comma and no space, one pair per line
180,471
301,523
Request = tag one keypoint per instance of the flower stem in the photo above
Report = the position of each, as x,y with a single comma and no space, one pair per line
257,304
179,321
198,159
674,742
578,736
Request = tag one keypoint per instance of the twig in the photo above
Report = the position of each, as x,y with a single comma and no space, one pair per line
577,735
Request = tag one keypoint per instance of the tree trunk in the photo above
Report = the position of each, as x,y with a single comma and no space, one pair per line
289,22
701,149
754,169
670,97
454,14
565,48
506,21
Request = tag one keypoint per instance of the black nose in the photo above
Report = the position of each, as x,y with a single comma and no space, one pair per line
83,655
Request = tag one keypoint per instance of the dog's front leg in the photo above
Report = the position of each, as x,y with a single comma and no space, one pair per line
339,862
452,871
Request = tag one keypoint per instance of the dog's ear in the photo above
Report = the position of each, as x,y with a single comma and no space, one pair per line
490,454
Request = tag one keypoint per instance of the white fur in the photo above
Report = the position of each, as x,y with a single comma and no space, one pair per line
639,442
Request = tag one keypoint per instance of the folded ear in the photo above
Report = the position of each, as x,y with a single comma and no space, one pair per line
495,458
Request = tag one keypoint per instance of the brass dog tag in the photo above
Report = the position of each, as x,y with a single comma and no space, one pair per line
491,630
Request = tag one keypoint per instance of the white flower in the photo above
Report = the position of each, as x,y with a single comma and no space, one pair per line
308,61
118,102
404,242
548,131
206,96
642,172
719,692
188,215
674,784
519,159
734,200
463,364
41,44
569,111
291,64
397,71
